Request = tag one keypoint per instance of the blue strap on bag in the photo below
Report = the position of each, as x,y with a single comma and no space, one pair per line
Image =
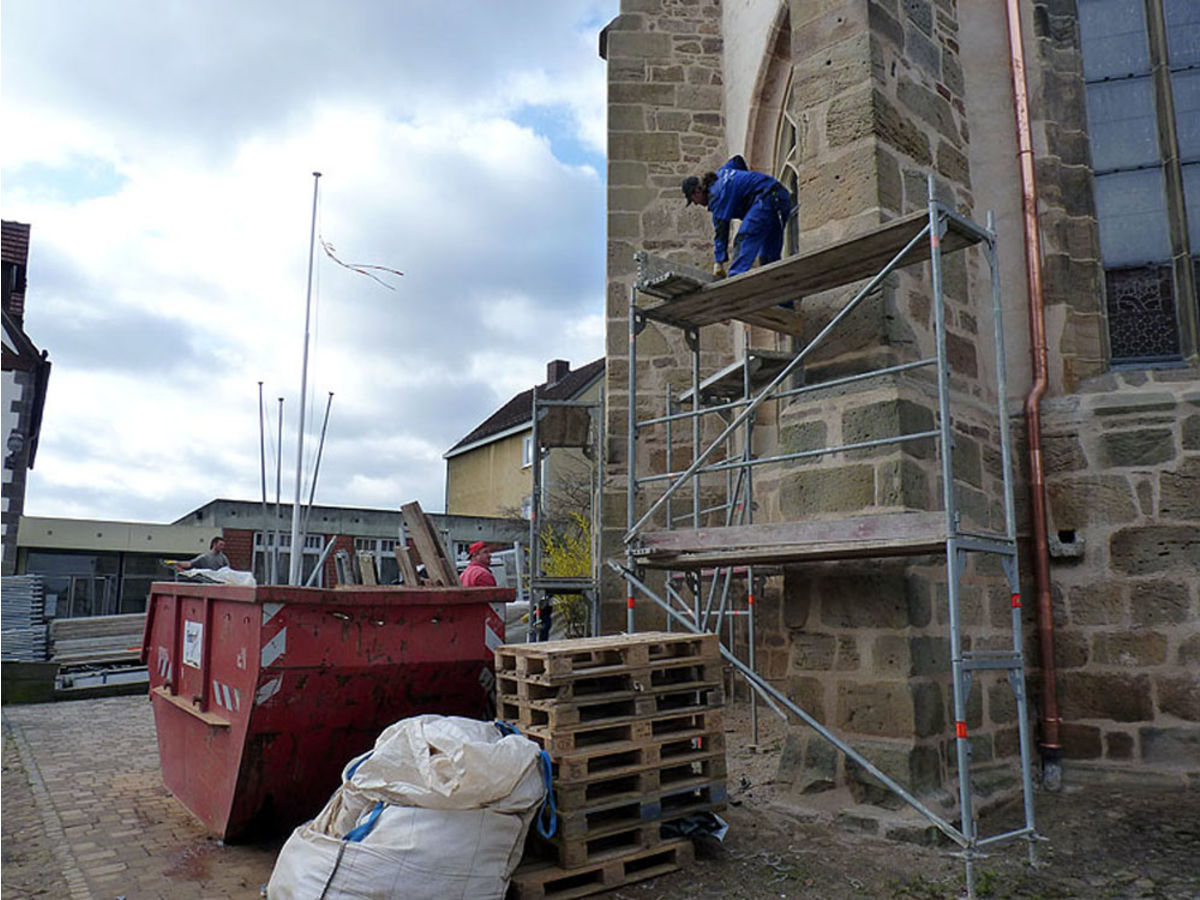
547,819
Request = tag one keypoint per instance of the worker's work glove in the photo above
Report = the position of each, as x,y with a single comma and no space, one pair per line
719,270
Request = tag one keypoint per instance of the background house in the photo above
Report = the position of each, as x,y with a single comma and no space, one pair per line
489,472
26,376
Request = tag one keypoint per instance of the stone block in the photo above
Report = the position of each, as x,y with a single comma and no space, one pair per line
866,600
1100,603
651,94
808,762
891,188
1062,453
813,651
1179,696
1001,703
929,715
890,655
1118,745
1173,747
849,118
929,654
888,418
920,14
1132,650
1189,651
848,658
797,598
809,694
801,436
1079,502
953,164
916,766
844,489
880,709
821,76
923,52
838,186
1144,447
1155,548
899,132
1119,696
1190,431
1070,649
1159,602
968,464
1081,741
928,106
903,483
1179,491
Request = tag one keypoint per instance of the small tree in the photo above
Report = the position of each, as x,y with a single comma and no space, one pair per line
567,553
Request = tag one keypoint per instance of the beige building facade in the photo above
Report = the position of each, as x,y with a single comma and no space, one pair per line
853,104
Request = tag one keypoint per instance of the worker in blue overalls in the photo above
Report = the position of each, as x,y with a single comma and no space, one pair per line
734,192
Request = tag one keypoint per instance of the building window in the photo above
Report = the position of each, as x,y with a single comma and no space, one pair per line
273,568
527,451
384,551
787,170
1141,68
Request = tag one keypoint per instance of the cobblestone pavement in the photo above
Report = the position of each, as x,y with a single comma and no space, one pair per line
86,814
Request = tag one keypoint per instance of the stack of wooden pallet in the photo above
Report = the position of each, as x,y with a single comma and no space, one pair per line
633,724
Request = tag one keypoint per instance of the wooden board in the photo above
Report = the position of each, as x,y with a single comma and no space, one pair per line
605,760
438,566
754,296
408,572
662,675
555,714
546,881
675,725
780,543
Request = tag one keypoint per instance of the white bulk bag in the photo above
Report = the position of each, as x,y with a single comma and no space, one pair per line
442,806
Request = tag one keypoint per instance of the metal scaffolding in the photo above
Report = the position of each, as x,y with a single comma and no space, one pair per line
573,424
691,301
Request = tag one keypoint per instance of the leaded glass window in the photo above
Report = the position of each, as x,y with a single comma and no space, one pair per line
1141,62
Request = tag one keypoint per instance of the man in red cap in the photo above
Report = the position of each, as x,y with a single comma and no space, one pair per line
478,572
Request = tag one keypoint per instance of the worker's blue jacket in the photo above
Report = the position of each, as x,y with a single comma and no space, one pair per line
731,196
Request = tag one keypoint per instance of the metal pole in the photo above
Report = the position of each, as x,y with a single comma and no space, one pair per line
278,485
297,557
535,507
1010,532
769,691
955,558
631,449
312,491
262,456
783,374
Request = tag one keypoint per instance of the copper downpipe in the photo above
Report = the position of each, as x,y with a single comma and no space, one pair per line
1050,746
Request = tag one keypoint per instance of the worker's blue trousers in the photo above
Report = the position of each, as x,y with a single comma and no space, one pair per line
761,233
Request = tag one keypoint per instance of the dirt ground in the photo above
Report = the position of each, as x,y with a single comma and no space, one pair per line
1112,840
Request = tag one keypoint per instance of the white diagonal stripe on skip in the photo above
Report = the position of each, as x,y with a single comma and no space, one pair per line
268,690
274,648
269,610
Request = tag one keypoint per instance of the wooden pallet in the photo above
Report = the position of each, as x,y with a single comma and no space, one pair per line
675,725
622,814
556,714
546,881
661,675
649,781
613,760
601,655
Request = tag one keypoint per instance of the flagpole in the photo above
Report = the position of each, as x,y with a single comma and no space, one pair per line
297,552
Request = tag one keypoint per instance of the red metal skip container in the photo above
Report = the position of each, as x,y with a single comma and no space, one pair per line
262,694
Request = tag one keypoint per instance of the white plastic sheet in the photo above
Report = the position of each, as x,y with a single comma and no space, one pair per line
451,802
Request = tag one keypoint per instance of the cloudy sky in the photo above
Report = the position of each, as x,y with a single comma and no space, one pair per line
163,150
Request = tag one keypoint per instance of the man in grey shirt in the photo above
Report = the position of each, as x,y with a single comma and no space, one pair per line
215,558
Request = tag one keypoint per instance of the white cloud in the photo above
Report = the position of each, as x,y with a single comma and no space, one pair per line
171,280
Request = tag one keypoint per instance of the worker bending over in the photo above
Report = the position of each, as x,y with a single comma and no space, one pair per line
761,203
